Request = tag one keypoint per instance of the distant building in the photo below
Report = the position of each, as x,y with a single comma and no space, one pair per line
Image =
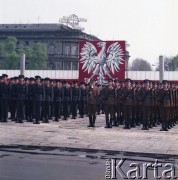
62,41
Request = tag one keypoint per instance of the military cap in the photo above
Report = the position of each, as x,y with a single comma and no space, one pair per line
64,82
146,81
37,77
21,76
154,83
110,80
32,79
4,75
116,80
58,81
75,82
82,83
164,82
47,79
92,80
127,80
26,78
15,78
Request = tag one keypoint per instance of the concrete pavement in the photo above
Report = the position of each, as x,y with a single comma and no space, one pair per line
76,134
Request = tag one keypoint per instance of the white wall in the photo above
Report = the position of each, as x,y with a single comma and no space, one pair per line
62,74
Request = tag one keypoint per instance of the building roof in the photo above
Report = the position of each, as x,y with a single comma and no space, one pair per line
45,27
36,27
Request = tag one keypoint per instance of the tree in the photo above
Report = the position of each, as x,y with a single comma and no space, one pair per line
140,65
39,57
9,54
170,63
36,56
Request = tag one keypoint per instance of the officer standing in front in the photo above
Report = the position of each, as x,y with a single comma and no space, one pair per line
92,96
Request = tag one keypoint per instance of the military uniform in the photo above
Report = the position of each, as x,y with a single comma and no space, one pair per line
30,100
48,96
82,100
5,97
0,95
38,92
127,98
165,104
22,91
109,104
145,97
66,99
13,100
75,98
57,101
92,96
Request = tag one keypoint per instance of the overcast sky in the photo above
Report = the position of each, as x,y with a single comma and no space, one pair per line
149,26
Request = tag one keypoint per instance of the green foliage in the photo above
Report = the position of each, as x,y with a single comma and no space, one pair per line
9,54
36,56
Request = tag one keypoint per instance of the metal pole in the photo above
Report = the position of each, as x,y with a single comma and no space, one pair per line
161,68
22,64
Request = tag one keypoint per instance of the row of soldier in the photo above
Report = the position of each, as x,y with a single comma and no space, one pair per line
36,99
124,102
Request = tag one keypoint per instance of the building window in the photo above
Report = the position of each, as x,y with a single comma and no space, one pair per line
51,49
67,65
26,43
58,49
74,49
74,65
66,49
59,65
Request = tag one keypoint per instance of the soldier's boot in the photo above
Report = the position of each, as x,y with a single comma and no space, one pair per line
126,124
20,120
36,121
107,122
129,124
170,124
154,122
5,121
110,122
114,121
93,122
151,123
164,126
133,123
73,117
121,120
90,121
173,123
56,119
145,125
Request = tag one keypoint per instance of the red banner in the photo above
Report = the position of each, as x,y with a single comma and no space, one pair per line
101,60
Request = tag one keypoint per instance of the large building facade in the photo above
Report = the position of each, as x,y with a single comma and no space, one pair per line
62,42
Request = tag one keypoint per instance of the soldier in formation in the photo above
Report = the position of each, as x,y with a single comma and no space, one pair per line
147,104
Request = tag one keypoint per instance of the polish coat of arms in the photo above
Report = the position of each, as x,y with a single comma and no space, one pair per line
101,63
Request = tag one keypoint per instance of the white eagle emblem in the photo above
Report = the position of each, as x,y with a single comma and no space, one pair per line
103,63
